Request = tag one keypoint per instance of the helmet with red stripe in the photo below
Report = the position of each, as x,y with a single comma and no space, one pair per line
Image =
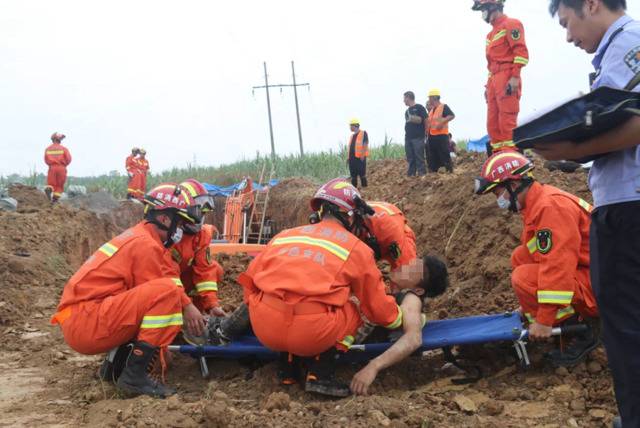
173,201
201,203
501,168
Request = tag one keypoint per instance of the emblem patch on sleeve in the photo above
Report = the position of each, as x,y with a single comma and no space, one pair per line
544,241
632,59
515,34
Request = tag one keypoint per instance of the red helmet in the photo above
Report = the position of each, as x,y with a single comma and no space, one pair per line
169,197
201,203
501,168
482,4
339,192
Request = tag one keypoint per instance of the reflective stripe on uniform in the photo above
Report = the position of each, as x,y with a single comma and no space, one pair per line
177,281
584,204
383,207
529,318
565,312
333,248
503,145
532,245
520,60
347,342
108,249
555,297
500,34
205,286
398,321
161,321
55,152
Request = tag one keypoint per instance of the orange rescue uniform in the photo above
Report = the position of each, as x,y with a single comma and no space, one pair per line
299,290
506,55
199,272
57,157
143,166
551,266
125,291
396,239
131,164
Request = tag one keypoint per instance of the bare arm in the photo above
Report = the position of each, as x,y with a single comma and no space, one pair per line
405,346
620,138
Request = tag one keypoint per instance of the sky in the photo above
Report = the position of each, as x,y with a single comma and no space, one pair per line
176,77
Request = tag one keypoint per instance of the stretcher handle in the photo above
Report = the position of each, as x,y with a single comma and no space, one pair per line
570,329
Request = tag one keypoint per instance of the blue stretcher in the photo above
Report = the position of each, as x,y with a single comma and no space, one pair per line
436,334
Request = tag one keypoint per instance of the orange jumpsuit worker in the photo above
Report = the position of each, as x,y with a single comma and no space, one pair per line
131,165
298,289
394,237
143,166
199,272
551,266
125,292
506,55
57,158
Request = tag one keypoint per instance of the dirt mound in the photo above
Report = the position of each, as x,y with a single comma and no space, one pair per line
29,198
289,202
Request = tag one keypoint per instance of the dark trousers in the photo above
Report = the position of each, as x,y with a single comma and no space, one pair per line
358,168
438,155
615,278
414,150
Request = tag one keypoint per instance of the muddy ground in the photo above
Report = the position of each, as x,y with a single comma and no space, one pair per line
43,382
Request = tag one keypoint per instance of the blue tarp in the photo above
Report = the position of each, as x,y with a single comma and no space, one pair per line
228,190
436,334
479,145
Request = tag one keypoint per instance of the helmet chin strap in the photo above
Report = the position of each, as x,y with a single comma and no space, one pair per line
488,12
171,229
513,194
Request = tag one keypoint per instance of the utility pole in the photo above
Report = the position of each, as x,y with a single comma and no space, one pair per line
295,93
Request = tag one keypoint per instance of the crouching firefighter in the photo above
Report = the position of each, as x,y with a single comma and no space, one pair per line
298,291
126,296
551,266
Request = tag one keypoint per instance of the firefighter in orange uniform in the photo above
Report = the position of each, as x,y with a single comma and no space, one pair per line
551,266
199,272
358,151
143,167
298,289
131,164
506,55
57,158
127,292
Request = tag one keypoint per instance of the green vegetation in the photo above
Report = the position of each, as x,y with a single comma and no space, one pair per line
316,166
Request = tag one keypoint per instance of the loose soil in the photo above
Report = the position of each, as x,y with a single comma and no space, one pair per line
43,382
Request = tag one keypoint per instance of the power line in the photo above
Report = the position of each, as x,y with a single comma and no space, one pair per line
294,85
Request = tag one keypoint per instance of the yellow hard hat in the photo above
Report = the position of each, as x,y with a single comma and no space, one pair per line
355,122
434,93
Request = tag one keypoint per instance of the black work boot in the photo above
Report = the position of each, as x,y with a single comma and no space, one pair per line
321,376
364,181
114,363
288,368
575,348
136,379
222,330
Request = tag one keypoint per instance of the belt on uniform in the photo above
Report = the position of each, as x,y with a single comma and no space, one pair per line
302,308
500,67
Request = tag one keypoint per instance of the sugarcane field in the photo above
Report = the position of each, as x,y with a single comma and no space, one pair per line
275,214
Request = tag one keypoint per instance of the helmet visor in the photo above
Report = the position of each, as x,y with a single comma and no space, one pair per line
482,185
205,202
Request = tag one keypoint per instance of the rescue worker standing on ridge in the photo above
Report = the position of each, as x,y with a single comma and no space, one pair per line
143,167
358,153
298,289
551,266
506,55
438,133
57,157
414,148
127,292
131,165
